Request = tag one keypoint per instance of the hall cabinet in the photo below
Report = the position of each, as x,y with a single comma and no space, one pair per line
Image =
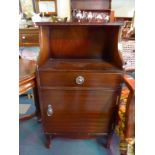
79,78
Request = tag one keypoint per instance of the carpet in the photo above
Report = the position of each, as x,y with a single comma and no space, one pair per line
121,123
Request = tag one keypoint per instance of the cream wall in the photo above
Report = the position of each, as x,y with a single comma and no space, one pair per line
64,8
123,8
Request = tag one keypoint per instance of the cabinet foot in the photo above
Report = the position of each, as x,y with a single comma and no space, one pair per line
109,141
47,140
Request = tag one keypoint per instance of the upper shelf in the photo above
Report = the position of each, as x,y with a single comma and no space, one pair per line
91,4
77,24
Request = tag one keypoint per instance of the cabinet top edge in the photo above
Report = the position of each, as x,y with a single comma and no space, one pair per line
77,24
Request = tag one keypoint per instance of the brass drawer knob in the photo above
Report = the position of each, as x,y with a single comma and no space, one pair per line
49,110
80,80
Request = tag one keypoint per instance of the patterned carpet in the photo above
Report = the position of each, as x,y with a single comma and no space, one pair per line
121,123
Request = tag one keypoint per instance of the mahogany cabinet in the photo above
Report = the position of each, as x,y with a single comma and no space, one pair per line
29,37
91,4
79,78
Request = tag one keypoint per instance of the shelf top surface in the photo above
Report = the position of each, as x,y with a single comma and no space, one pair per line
96,65
78,24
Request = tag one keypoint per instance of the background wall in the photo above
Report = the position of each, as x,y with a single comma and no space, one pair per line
123,8
64,7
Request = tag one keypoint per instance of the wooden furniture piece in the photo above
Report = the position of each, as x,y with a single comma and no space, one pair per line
123,19
29,37
130,121
91,4
27,81
79,78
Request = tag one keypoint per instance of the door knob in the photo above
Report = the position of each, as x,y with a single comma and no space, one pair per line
80,80
49,110
23,37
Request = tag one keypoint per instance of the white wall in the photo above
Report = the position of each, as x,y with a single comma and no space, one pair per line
123,8
64,8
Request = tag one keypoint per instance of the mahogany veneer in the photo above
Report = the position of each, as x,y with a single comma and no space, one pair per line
79,78
29,37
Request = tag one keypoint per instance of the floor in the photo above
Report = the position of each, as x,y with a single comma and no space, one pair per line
32,139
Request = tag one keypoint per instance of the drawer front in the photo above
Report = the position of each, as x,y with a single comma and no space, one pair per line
78,79
29,39
80,111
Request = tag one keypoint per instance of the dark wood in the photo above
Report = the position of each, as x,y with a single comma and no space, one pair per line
66,40
69,50
26,75
44,45
29,37
112,16
91,4
123,19
27,81
74,118
130,109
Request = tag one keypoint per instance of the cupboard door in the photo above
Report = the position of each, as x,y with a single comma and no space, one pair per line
77,111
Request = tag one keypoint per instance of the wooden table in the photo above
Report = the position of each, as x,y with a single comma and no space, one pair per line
27,81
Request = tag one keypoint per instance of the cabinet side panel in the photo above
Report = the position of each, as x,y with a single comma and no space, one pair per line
44,45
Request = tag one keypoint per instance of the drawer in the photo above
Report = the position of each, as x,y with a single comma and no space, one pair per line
78,79
29,39
77,111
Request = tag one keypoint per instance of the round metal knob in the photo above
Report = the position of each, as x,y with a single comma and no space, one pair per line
49,110
23,37
80,80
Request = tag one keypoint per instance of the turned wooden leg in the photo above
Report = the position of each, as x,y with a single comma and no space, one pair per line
47,140
37,105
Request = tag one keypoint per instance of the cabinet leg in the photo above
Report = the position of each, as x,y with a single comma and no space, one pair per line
47,140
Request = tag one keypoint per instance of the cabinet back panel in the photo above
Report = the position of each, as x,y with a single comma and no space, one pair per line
90,4
82,42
